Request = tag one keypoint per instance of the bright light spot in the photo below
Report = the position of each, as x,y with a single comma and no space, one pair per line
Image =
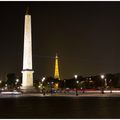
90,81
77,82
67,88
0,81
102,76
17,80
56,85
2,89
43,79
75,76
40,85
52,82
5,88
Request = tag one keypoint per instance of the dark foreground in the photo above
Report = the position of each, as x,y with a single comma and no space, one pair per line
60,107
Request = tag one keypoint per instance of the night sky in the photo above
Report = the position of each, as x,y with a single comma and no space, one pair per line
86,36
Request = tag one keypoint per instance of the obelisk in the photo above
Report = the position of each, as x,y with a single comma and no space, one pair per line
27,72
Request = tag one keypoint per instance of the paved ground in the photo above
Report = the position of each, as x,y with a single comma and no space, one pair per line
73,94
80,94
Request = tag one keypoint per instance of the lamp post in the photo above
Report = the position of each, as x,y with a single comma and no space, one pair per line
40,86
102,89
17,83
76,82
110,85
51,87
76,76
43,79
43,89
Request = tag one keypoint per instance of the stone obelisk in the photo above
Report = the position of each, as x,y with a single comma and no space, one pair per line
27,72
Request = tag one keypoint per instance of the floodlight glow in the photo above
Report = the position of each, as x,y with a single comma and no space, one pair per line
77,82
17,80
102,76
43,79
56,74
27,73
75,76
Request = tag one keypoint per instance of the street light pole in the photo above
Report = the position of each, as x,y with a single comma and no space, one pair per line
102,77
76,82
110,85
43,88
51,87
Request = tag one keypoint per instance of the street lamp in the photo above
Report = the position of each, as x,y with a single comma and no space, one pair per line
51,86
102,77
76,76
43,79
17,80
16,84
41,85
6,86
110,85
77,82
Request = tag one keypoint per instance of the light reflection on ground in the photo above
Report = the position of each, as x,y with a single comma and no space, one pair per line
86,94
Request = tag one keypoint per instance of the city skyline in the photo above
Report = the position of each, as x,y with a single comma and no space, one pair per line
84,34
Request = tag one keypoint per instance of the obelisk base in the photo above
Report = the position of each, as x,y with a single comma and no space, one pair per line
27,81
28,89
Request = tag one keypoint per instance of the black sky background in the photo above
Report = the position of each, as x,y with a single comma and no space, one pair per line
86,36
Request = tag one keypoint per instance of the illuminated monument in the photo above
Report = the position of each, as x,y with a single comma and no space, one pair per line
27,72
56,74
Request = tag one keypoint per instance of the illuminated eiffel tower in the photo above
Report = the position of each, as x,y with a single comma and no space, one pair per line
56,74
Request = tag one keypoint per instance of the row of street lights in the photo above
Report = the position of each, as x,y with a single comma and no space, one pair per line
104,83
42,87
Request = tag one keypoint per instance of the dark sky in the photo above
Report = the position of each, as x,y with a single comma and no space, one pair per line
86,36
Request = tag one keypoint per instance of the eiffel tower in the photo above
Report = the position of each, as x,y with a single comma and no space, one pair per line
56,74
